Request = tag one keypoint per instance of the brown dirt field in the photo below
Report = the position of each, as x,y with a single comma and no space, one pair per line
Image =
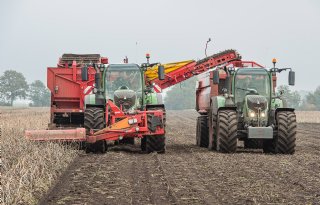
187,174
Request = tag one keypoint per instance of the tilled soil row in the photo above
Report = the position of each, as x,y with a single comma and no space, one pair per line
187,174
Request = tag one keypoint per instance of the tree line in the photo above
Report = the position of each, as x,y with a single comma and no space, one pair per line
13,86
182,96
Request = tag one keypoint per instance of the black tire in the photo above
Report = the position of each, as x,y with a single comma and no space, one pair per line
285,141
94,119
198,132
253,143
213,138
128,140
227,126
155,143
202,134
143,143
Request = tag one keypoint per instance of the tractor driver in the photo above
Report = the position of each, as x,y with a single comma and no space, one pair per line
122,80
243,86
246,83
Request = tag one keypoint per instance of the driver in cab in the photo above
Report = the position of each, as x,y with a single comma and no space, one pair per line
122,80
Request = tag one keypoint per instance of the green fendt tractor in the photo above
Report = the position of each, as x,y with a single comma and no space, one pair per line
244,106
124,106
96,103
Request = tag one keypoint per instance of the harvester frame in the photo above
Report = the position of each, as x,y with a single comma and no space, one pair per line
81,109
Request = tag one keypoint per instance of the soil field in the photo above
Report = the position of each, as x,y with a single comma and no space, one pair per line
187,174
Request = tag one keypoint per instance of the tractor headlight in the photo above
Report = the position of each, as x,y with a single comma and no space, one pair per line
252,114
263,114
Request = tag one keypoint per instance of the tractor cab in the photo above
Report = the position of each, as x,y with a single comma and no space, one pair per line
123,85
252,95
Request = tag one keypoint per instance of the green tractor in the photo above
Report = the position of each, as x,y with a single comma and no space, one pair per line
97,103
124,106
245,107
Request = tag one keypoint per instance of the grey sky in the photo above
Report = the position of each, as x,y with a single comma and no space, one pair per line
35,33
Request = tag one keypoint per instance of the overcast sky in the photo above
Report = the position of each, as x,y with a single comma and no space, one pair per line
35,33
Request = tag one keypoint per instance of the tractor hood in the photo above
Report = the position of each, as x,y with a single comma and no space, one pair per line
256,102
125,97
256,109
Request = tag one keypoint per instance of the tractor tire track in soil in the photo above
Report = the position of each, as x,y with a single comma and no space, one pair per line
187,174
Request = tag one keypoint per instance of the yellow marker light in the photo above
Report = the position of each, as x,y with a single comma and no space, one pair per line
274,60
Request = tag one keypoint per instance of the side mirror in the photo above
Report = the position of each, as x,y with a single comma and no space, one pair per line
216,77
84,73
161,75
291,77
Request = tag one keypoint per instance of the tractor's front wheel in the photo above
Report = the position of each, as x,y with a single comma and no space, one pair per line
94,119
155,143
285,141
226,131
202,134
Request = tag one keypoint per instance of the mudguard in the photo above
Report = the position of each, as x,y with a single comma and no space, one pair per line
219,103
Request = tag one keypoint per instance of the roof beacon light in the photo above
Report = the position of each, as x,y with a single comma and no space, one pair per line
147,56
274,61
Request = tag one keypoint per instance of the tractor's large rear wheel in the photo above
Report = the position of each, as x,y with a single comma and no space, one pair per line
94,119
285,141
202,134
213,132
227,125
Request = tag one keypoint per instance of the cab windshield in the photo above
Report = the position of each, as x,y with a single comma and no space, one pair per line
251,81
123,76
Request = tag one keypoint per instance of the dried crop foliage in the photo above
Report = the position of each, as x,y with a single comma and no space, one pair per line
28,169
308,116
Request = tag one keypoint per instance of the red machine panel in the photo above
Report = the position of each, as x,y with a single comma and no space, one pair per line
67,88
195,68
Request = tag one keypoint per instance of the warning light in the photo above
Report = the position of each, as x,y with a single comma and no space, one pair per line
274,60
147,56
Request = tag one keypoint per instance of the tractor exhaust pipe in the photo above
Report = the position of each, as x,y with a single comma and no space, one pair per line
99,94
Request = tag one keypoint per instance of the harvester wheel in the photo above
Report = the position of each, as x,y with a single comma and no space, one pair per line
227,126
94,119
155,143
127,141
143,143
285,141
202,134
